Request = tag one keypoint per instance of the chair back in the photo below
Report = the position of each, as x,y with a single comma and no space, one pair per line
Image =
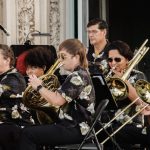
100,108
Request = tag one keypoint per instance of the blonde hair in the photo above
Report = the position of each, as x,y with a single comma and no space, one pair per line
75,47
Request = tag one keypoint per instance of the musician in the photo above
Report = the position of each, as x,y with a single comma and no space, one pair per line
43,56
76,92
43,59
13,114
97,30
118,56
38,61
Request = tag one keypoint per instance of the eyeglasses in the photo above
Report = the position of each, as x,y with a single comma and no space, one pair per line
63,56
116,59
92,31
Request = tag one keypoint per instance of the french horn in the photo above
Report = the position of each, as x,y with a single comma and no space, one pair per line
46,113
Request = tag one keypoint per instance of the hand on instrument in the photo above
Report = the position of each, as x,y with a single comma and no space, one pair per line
146,111
34,81
118,74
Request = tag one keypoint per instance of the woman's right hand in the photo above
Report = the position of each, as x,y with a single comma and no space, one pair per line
34,81
118,74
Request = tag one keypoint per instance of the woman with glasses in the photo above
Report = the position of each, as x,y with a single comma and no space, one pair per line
44,58
118,55
76,92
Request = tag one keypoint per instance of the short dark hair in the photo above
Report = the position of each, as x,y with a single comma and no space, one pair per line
122,47
40,57
7,52
102,24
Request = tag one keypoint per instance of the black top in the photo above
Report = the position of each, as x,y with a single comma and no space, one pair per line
97,64
133,77
12,110
79,93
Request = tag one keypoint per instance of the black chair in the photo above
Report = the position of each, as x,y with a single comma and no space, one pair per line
90,136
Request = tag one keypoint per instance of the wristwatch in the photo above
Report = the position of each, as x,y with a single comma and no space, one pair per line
38,88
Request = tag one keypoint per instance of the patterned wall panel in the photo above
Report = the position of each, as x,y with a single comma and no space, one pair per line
25,20
54,21
30,16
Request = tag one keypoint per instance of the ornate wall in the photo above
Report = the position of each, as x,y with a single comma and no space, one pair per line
31,16
24,17
25,20
55,23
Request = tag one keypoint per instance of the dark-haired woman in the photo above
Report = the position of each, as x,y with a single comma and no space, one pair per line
38,60
119,55
43,59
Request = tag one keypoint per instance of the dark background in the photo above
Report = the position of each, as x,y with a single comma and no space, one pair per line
128,21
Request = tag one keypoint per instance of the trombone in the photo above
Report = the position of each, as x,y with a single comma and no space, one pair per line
138,112
117,130
117,86
142,87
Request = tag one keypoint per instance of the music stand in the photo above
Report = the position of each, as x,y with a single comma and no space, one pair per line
102,91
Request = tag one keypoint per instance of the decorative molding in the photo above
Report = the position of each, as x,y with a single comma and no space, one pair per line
25,20
54,22
22,17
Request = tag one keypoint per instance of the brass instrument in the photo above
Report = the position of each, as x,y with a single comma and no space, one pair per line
46,113
143,90
117,130
114,118
118,86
